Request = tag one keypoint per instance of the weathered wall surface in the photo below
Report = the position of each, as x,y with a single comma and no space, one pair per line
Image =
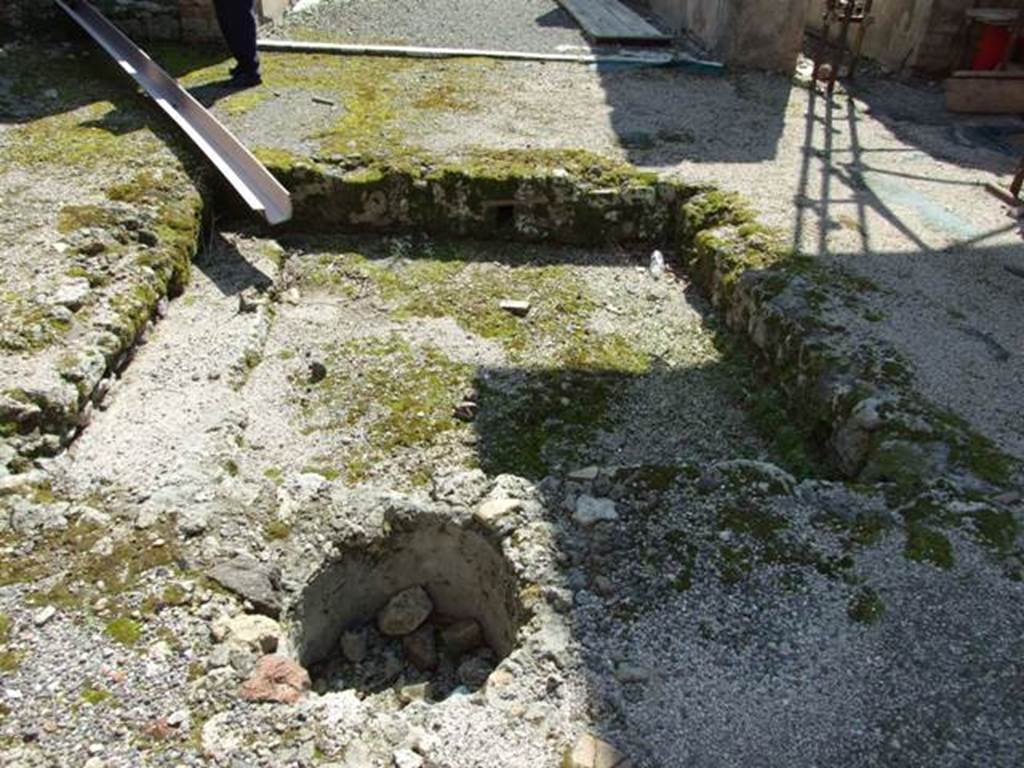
924,35
766,34
191,20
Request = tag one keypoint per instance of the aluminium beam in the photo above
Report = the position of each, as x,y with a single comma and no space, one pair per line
253,182
675,60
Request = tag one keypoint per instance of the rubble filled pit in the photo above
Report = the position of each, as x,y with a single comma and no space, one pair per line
434,603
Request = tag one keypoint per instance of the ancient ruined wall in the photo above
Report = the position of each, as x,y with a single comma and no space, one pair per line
191,20
925,35
751,33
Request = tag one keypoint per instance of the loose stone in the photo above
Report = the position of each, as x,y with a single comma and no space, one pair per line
491,512
353,646
258,633
276,679
317,372
43,615
517,308
405,612
462,636
258,583
421,649
591,752
466,410
406,758
590,511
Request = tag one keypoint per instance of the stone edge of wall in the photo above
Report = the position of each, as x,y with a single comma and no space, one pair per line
41,420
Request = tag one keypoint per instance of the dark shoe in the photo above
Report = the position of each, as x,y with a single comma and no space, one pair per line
246,80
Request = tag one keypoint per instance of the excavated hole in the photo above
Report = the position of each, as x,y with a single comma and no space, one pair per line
470,622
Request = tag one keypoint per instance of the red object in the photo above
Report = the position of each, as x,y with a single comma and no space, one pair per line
992,47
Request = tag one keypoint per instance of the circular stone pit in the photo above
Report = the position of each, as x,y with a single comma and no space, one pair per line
426,609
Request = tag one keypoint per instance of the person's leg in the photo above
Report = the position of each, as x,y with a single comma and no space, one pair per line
237,19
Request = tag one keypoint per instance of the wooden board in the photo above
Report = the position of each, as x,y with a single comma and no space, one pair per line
609,21
986,92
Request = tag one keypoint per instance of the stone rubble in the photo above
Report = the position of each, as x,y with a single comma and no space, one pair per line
405,612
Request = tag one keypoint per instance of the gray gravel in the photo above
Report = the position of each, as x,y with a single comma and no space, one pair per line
522,25
893,191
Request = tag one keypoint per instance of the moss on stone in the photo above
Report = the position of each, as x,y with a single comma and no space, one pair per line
86,574
927,545
403,396
866,606
75,217
27,325
997,529
95,696
124,630
276,530
10,661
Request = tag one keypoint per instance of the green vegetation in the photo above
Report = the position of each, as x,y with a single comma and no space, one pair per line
997,528
124,631
95,696
403,395
276,530
10,660
927,545
866,606
87,575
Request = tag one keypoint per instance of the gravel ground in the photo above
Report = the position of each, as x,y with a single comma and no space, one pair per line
892,191
524,25
640,380
687,609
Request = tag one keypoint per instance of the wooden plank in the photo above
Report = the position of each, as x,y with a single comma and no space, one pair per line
986,93
609,21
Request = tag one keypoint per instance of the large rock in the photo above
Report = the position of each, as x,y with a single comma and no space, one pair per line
276,679
591,752
258,633
405,612
252,580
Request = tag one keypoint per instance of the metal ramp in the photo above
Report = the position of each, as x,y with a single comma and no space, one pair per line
260,190
610,22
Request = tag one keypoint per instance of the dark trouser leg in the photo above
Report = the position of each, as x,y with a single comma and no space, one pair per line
237,19
1018,181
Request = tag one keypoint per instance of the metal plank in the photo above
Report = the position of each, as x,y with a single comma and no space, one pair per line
673,60
257,187
608,21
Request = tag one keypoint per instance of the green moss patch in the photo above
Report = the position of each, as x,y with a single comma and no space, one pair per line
124,631
95,696
402,396
85,575
927,545
866,606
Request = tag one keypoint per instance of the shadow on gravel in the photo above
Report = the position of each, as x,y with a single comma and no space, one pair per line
228,269
536,422
35,87
852,185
